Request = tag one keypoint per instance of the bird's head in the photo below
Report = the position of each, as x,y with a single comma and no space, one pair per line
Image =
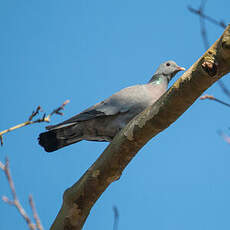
168,69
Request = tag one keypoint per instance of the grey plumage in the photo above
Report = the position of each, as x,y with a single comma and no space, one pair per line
104,120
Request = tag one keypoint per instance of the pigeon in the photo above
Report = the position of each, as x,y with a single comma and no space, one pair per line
102,121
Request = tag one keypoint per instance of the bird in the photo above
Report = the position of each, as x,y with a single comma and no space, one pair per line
102,121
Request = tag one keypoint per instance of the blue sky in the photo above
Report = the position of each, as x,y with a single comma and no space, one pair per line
84,51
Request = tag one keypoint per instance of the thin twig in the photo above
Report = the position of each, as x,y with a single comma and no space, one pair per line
35,214
116,218
224,88
210,97
57,111
224,136
220,23
35,113
15,202
44,118
202,25
203,17
2,166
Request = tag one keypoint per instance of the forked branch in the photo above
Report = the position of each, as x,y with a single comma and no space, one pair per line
30,121
16,203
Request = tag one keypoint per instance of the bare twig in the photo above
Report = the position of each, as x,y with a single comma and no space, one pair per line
35,214
224,136
116,218
203,17
201,13
210,97
221,23
224,88
15,202
1,140
57,111
44,118
202,25
35,113
2,166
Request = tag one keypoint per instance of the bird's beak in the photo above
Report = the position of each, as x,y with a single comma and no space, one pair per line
180,68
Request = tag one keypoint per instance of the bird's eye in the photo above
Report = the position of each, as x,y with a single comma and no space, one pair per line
167,64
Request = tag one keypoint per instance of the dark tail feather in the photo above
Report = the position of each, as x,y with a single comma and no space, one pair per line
49,141
59,138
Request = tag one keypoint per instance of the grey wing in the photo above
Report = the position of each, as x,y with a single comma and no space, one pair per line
119,102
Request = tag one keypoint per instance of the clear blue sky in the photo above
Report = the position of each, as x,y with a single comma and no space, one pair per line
84,51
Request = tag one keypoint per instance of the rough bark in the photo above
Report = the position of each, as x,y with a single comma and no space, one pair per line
80,198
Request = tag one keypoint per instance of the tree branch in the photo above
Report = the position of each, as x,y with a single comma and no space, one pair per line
224,88
35,214
44,118
116,218
224,136
210,97
79,199
16,203
203,17
201,13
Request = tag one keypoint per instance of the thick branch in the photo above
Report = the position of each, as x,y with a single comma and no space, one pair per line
79,199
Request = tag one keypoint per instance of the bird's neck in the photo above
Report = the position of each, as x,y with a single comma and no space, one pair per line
159,79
